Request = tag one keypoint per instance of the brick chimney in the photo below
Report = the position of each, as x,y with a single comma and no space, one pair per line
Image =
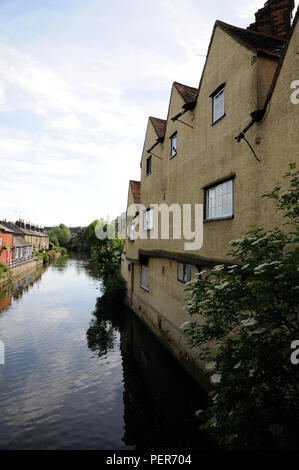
274,18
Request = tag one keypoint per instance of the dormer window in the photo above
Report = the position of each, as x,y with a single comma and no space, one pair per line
173,148
218,104
148,166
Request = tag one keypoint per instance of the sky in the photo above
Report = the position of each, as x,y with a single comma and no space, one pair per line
78,81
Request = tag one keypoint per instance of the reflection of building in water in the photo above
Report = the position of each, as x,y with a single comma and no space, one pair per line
20,285
23,284
159,397
5,298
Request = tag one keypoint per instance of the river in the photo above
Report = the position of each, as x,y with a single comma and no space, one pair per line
76,380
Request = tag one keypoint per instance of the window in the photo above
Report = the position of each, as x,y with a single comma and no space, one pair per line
148,165
173,150
218,106
131,231
0,241
148,219
144,281
219,201
218,103
184,272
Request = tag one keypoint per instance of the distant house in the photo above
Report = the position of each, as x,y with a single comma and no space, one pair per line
34,235
21,249
6,245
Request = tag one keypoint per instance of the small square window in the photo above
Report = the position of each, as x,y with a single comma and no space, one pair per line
148,165
184,272
173,150
219,201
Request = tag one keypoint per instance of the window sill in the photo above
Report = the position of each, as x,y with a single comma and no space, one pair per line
219,119
148,174
145,289
218,218
170,158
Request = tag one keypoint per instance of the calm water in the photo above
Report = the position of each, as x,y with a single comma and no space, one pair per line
73,380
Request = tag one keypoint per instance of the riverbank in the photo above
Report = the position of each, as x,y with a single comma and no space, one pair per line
22,270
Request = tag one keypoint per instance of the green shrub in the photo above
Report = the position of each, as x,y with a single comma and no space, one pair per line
4,269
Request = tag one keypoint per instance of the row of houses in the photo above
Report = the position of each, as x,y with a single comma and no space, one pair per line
200,155
19,240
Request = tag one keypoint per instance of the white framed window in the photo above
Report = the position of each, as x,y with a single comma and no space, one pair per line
0,241
173,149
218,105
144,278
219,201
131,231
148,219
184,272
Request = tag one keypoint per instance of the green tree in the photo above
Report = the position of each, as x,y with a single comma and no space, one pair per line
244,320
61,233
53,240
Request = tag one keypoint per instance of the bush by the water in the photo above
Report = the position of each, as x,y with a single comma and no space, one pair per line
3,269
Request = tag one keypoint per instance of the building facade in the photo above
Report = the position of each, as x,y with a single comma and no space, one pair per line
34,235
6,245
199,155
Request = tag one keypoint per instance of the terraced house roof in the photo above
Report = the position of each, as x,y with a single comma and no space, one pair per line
258,42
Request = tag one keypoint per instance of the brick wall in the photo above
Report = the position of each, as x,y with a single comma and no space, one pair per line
274,18
7,240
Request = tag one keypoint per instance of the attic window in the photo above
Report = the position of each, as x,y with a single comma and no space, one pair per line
218,103
173,148
148,165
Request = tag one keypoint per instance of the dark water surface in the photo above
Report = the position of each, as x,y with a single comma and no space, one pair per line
75,381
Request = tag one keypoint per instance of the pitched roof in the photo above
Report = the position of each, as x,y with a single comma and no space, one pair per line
254,41
188,93
19,241
12,227
135,188
5,229
159,126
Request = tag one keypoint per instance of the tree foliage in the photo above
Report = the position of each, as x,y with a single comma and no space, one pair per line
244,320
61,233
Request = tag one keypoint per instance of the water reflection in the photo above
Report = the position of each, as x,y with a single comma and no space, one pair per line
14,291
76,381
159,397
